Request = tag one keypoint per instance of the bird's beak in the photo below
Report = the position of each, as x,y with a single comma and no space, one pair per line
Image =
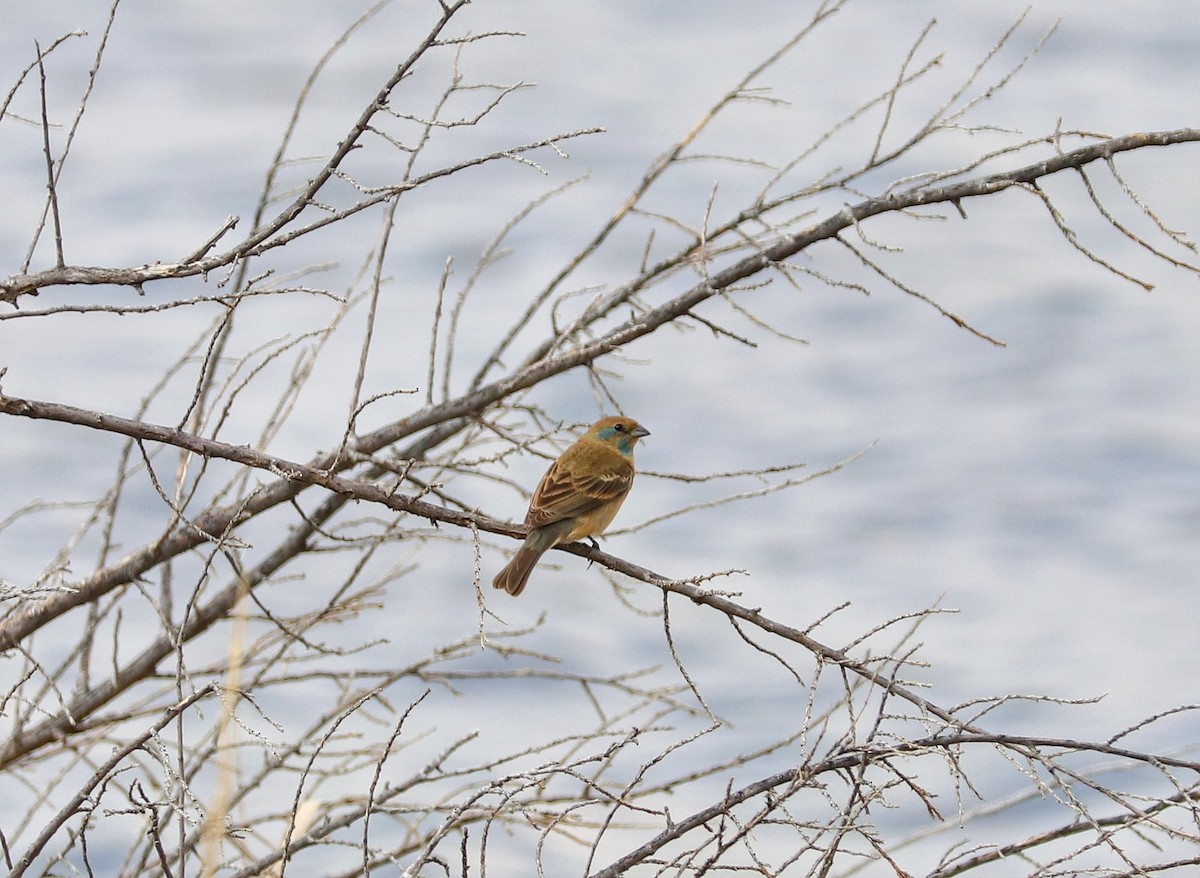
639,431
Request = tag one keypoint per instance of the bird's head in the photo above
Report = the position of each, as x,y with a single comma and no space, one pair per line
623,433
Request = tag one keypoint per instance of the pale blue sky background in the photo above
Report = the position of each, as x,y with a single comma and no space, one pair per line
1050,491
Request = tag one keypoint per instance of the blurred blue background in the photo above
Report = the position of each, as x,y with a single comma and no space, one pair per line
1049,491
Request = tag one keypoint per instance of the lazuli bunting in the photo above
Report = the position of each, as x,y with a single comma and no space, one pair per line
578,496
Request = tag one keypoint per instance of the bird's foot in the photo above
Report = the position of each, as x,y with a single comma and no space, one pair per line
595,545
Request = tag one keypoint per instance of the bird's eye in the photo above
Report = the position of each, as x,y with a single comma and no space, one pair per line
620,428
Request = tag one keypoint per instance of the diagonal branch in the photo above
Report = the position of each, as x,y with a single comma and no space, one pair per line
101,774
50,186
449,418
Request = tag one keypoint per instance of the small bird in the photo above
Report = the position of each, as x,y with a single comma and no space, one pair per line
578,496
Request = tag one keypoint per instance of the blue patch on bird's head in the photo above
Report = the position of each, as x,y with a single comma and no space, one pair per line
624,443
625,437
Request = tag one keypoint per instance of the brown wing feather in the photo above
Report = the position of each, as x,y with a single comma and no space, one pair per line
587,476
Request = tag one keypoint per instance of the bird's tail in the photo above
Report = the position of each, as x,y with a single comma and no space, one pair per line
516,572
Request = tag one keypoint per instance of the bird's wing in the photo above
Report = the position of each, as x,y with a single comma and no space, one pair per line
570,488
